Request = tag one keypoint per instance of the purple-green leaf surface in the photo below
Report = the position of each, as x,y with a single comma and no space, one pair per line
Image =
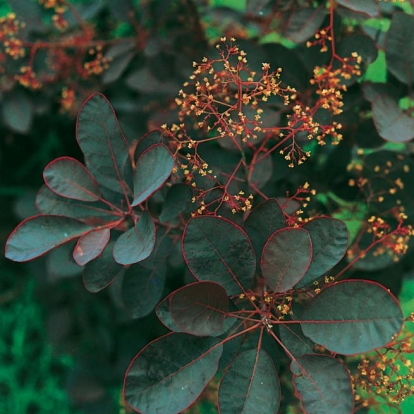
262,222
294,340
200,308
142,288
153,168
171,372
67,177
286,258
352,317
96,213
90,246
37,235
399,47
105,148
137,243
218,250
251,385
100,272
390,121
367,7
323,385
329,238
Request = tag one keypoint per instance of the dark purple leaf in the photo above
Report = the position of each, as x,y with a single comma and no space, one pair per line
200,308
142,289
304,22
352,317
262,222
68,178
100,272
218,250
60,263
148,140
399,47
97,213
261,173
37,235
251,385
323,385
391,122
91,245
294,340
329,239
120,55
153,168
17,111
286,258
164,315
176,202
103,144
137,243
171,372
367,7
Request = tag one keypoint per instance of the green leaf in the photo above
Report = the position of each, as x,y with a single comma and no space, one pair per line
137,243
323,385
218,250
304,22
100,272
67,177
142,288
390,121
171,372
90,246
17,111
294,340
367,7
399,46
352,317
103,144
329,239
286,258
37,235
200,308
153,168
47,202
251,385
262,222
176,202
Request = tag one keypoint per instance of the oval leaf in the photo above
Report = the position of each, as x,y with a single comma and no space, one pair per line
200,308
137,243
251,385
153,168
399,46
39,234
352,317
47,202
105,148
262,222
218,250
286,258
142,289
177,200
329,239
67,177
390,121
100,272
294,340
90,246
180,367
323,385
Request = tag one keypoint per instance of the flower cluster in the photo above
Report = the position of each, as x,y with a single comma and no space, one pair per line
9,31
386,376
